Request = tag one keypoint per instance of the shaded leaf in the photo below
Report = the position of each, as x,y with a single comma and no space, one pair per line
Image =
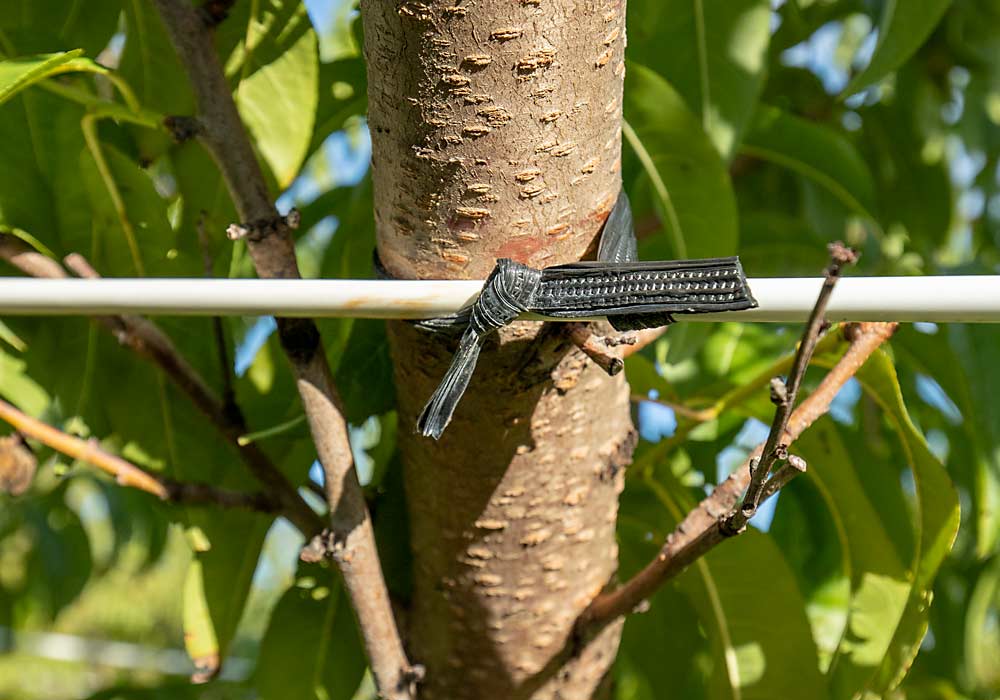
904,26
690,186
311,649
46,26
364,372
815,152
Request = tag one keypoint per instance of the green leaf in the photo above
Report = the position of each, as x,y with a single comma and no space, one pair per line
690,184
773,243
761,643
278,103
311,649
937,521
879,581
150,66
145,212
815,152
343,94
904,26
951,356
18,73
364,372
46,26
18,388
982,638
255,35
218,581
712,51
54,564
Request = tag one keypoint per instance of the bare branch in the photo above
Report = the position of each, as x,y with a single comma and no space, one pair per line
783,395
351,540
644,337
126,473
605,350
29,261
703,527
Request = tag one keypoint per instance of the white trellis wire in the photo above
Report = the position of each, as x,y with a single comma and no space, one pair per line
935,299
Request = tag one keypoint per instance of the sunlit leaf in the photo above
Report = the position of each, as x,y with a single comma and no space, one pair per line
712,51
879,580
21,72
904,26
278,100
938,518
752,612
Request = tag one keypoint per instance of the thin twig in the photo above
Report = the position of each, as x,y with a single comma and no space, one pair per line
697,415
351,540
29,261
703,527
126,473
643,338
783,394
147,340
605,350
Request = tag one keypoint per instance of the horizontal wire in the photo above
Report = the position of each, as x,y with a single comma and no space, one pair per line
974,299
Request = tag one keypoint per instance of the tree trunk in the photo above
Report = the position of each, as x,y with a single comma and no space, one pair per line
496,133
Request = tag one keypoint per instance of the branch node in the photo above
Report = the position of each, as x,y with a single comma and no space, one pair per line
181,128
214,12
257,231
605,351
779,391
415,674
797,463
730,529
841,254
325,545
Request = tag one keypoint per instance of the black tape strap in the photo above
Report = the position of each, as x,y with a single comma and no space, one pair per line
631,294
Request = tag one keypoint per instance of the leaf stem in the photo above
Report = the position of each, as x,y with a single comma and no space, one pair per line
89,126
659,186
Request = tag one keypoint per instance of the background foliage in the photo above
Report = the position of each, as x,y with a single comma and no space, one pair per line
757,127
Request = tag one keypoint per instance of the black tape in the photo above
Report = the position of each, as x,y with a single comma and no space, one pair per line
631,294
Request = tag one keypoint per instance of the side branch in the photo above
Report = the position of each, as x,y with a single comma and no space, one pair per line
128,474
783,394
147,340
704,527
351,539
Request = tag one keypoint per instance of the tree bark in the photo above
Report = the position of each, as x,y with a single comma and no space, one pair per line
496,133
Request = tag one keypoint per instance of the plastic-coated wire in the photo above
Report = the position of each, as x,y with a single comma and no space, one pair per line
971,299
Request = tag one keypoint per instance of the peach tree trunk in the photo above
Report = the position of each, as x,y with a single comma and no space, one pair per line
496,133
